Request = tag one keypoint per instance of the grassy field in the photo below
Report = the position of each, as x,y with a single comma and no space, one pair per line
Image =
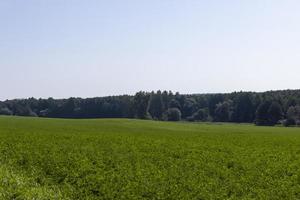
133,159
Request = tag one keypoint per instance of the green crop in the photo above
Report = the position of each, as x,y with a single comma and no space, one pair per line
135,159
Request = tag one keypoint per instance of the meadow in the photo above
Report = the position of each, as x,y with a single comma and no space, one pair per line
134,159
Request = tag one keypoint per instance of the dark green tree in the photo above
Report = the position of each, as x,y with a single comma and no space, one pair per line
262,114
141,105
213,100
243,110
4,110
275,113
174,104
172,114
156,107
189,107
200,115
222,112
293,115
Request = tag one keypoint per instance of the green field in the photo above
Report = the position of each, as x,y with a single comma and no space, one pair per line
134,159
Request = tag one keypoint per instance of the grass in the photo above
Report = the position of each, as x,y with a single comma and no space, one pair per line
134,159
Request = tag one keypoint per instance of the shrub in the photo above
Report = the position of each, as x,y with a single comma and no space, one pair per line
288,122
5,111
172,114
200,115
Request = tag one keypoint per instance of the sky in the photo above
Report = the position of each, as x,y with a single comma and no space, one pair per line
75,48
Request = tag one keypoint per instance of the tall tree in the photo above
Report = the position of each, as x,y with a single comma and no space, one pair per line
275,113
243,110
293,115
172,114
222,112
200,115
213,100
189,107
262,114
141,105
156,107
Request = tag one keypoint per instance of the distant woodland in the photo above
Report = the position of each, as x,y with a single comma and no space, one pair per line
267,108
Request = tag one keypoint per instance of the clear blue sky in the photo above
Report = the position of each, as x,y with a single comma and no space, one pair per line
63,48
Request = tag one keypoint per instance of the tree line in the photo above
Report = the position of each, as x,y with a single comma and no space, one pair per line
267,108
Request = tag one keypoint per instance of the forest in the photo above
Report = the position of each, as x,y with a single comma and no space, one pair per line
262,108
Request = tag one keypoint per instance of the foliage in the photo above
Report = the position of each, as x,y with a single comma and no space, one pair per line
265,108
5,111
156,105
293,115
223,111
200,115
243,109
262,114
141,105
172,114
275,113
